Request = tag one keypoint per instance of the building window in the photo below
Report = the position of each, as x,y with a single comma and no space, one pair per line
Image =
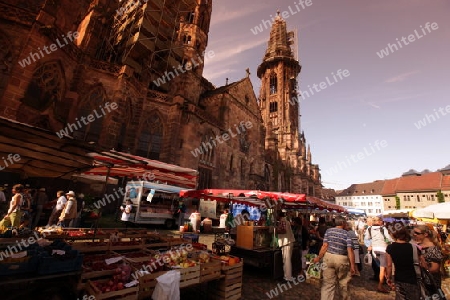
190,17
187,39
273,107
46,87
150,138
273,84
92,101
231,163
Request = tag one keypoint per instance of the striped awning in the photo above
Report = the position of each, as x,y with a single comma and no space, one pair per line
118,164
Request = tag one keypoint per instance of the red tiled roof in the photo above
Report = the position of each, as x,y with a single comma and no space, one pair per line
445,186
424,182
390,186
359,189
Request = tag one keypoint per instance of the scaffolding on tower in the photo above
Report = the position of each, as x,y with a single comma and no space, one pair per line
146,36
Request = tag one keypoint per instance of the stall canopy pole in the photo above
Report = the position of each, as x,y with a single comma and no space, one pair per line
100,210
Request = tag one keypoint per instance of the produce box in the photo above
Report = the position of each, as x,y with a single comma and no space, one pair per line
147,284
224,290
129,245
189,276
210,270
137,256
91,246
122,293
96,266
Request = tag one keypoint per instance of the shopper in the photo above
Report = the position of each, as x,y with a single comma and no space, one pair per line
56,213
286,242
298,235
180,213
338,261
25,208
428,242
126,212
69,212
400,253
355,242
223,219
379,239
13,215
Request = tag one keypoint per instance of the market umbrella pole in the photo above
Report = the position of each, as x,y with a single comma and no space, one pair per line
100,210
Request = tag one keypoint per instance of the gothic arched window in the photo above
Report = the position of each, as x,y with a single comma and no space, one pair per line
46,86
126,120
150,137
91,105
273,84
209,144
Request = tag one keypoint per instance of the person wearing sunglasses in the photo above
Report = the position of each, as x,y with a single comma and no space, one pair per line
426,238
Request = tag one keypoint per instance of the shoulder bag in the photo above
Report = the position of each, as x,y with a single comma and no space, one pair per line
428,287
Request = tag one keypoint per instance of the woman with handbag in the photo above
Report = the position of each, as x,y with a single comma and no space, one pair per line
428,242
401,254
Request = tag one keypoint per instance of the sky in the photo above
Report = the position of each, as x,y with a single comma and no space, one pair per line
389,115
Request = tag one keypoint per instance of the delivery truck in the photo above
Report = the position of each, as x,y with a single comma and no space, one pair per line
153,203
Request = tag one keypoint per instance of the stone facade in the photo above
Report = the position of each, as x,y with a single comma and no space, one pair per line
60,61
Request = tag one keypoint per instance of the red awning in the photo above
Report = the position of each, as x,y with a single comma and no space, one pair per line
249,197
119,164
325,205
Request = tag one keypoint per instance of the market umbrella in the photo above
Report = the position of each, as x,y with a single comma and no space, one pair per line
438,211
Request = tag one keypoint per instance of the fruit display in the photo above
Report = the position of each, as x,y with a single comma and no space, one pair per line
94,263
228,259
117,282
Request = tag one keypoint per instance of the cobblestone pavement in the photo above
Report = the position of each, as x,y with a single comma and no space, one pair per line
257,283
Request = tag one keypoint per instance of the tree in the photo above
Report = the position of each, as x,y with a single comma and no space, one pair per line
397,202
440,197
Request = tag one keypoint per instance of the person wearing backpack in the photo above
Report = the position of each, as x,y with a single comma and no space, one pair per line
379,238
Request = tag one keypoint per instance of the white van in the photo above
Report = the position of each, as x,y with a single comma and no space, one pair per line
153,203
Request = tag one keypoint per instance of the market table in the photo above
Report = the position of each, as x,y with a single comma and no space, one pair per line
268,259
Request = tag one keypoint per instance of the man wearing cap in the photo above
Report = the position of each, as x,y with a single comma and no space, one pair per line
41,200
60,203
69,211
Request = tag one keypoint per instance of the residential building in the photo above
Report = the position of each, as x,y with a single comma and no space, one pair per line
363,196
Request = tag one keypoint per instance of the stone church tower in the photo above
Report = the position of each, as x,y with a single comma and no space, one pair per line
285,145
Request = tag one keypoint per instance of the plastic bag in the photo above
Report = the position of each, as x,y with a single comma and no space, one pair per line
168,286
368,258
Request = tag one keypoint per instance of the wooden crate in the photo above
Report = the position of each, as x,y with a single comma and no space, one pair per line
85,247
119,247
189,276
147,284
125,294
224,290
210,271
146,258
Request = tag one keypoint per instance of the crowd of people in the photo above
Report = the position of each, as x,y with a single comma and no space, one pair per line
392,251
22,207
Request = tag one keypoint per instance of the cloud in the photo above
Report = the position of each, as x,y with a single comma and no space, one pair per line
223,14
401,77
230,49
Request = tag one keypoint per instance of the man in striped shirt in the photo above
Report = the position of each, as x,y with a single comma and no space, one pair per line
338,260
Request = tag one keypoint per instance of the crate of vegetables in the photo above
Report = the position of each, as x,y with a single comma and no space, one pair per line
117,286
99,265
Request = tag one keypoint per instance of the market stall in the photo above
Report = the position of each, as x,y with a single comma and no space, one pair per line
255,239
